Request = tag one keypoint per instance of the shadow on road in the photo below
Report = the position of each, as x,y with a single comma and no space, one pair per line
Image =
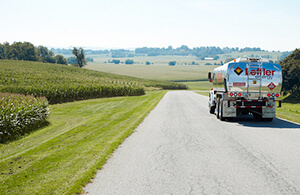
249,121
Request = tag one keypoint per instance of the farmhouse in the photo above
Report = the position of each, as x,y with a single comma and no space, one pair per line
208,58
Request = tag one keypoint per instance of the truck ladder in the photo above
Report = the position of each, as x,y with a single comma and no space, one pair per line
256,66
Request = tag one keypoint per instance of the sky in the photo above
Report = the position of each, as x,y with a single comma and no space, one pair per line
268,24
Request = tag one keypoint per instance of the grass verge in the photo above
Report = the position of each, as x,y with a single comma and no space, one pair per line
81,136
198,85
290,109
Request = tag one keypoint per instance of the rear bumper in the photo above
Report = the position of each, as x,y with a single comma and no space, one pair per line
254,103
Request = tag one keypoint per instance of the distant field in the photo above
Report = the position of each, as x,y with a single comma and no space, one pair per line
194,76
156,72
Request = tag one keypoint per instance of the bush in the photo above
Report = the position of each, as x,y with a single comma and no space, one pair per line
20,114
115,61
128,61
172,63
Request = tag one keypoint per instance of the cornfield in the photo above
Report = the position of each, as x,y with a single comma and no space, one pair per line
20,114
62,83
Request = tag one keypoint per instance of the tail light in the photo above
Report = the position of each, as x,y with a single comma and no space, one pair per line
239,94
231,94
269,95
277,94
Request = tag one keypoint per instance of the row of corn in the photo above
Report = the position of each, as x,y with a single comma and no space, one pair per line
20,114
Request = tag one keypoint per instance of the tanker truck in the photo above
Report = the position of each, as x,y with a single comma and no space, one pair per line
245,86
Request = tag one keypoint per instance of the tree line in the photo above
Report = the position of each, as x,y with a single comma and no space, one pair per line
86,51
27,51
115,53
200,52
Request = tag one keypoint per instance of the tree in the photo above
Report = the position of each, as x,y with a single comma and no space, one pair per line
128,61
79,54
115,61
291,73
172,63
15,51
72,60
89,59
29,52
6,48
2,51
148,63
170,48
46,55
216,57
60,59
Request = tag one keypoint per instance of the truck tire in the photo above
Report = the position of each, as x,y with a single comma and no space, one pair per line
257,116
268,119
221,110
212,109
218,108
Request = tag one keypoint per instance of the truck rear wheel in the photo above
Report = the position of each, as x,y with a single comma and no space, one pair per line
268,119
218,108
257,116
212,109
221,114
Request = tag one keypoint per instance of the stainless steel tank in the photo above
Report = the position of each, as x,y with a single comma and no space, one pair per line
252,76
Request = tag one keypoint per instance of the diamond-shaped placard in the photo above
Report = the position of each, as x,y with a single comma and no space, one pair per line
238,71
271,86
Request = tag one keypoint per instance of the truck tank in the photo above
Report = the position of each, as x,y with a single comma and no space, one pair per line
252,77
245,86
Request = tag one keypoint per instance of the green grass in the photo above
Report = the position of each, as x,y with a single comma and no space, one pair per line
204,93
198,85
290,109
65,155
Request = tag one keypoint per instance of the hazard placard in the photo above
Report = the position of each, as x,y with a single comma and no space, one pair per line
271,86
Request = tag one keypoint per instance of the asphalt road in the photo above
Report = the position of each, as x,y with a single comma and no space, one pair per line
182,149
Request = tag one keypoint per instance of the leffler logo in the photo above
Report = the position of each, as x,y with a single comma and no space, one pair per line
259,71
238,71
271,86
